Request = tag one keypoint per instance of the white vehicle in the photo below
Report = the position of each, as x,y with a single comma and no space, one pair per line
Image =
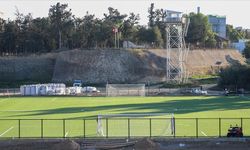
89,89
73,90
199,91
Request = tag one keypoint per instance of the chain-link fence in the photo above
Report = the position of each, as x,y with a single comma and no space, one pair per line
9,91
123,127
149,91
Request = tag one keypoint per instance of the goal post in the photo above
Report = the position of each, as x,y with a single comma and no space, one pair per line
125,89
120,125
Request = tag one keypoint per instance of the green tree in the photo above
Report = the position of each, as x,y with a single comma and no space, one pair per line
77,35
61,21
2,22
9,36
235,77
246,51
129,26
88,30
234,35
41,33
151,36
210,41
160,23
157,37
113,19
247,34
199,30
151,16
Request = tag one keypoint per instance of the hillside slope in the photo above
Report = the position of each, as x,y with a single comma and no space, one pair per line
113,66
27,68
129,66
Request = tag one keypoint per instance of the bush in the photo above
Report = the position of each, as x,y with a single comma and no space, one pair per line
235,77
246,51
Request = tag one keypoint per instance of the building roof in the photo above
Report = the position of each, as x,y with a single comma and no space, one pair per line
217,37
217,16
173,12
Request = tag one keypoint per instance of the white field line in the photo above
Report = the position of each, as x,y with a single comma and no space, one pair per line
66,134
203,133
6,131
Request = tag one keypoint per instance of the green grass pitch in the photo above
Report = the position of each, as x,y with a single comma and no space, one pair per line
74,109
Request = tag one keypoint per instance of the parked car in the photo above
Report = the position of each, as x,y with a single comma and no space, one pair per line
199,92
90,89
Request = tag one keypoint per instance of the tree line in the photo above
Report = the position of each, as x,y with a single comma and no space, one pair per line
235,77
61,29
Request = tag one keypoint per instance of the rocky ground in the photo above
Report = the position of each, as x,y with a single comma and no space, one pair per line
114,66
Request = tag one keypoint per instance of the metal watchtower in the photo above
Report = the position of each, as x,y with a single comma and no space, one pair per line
176,30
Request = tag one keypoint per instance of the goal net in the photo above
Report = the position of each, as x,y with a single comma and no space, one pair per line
120,125
125,89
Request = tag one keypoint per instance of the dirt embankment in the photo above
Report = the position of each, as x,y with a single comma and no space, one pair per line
127,144
31,68
113,66
129,66
101,66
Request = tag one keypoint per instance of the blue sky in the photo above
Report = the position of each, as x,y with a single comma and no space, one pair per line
236,11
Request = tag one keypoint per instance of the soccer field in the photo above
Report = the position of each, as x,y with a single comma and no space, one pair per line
74,109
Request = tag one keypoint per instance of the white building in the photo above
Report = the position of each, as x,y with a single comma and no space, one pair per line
240,45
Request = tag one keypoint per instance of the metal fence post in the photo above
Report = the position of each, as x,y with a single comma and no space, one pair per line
150,128
219,127
197,128
63,128
84,134
174,127
128,128
107,129
19,128
41,128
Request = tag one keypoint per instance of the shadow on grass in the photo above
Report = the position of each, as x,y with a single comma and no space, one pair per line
182,106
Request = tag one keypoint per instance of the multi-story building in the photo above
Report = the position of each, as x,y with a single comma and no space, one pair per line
218,24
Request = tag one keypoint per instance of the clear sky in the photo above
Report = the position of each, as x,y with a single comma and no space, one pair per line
236,11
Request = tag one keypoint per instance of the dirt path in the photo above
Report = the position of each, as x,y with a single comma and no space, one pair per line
125,144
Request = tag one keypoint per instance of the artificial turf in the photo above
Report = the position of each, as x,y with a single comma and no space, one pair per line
75,109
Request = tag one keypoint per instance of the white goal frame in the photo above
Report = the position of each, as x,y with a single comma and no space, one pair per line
125,89
168,116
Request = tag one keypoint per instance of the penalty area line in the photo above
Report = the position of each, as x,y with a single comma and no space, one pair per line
203,133
66,134
6,131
